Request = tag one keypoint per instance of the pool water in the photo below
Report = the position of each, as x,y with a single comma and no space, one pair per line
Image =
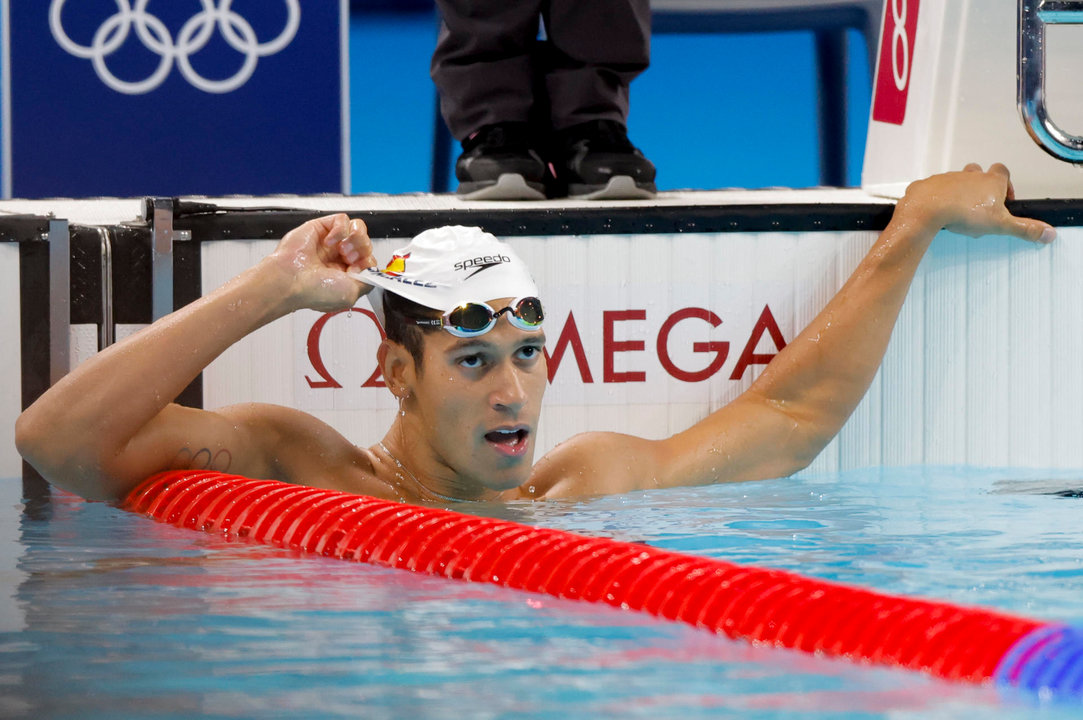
112,615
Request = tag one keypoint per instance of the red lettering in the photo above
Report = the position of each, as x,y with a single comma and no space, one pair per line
569,337
721,349
611,347
749,356
314,356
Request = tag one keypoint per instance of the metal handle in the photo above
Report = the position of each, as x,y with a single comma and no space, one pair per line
107,332
1034,15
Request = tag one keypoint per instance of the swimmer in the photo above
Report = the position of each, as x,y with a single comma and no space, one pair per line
464,356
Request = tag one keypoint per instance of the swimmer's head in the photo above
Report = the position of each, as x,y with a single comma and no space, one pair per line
452,266
463,301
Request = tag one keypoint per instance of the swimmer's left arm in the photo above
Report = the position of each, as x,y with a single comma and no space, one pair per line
803,397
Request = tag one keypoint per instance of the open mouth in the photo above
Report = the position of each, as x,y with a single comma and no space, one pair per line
511,440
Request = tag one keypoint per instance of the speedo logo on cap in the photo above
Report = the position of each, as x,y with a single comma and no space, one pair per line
481,263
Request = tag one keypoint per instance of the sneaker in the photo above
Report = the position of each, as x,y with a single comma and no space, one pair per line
595,160
499,162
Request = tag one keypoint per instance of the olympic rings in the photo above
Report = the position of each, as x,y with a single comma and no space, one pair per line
193,37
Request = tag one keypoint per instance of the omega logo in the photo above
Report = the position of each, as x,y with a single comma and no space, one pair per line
569,341
316,357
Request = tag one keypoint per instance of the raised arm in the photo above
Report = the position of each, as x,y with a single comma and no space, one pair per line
804,396
111,422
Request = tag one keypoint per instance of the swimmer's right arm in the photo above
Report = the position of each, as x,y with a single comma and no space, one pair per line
111,422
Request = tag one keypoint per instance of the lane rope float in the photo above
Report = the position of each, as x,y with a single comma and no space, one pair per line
759,605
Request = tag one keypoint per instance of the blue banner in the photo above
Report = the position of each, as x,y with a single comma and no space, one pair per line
174,97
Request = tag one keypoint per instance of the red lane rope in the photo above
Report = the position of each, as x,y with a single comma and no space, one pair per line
754,604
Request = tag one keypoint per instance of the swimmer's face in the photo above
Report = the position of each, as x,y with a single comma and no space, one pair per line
479,399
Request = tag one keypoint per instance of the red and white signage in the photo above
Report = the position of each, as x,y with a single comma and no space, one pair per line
670,333
646,334
624,341
894,69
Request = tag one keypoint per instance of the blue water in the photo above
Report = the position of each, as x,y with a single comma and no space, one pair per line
123,617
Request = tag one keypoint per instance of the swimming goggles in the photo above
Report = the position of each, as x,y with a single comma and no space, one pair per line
477,318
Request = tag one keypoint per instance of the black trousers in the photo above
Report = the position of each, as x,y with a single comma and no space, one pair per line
488,66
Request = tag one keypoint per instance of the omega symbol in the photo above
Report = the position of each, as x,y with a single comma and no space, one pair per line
193,37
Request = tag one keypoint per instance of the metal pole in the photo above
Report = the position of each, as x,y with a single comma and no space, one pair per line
831,61
59,300
106,333
161,280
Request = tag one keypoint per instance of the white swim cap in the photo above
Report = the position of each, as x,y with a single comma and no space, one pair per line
447,266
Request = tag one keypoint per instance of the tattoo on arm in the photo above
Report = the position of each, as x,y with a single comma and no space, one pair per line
202,459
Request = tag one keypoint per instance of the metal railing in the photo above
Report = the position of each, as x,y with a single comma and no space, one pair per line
1034,16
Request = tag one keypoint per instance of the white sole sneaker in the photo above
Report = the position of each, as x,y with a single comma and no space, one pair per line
619,187
509,186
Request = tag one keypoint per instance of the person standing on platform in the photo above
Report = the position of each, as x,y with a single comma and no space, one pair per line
543,118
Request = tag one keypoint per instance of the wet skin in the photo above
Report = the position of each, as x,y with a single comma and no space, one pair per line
470,413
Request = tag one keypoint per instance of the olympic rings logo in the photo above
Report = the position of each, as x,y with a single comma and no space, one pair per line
193,37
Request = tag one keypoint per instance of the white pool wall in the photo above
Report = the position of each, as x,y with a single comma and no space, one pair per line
980,371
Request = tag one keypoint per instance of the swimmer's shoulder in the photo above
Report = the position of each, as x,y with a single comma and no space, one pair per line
593,463
304,450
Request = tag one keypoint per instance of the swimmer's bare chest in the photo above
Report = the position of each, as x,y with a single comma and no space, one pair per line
571,469
365,471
